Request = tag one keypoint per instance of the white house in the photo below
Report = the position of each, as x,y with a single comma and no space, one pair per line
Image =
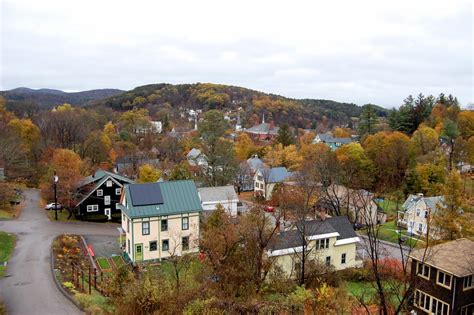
196,158
266,179
223,195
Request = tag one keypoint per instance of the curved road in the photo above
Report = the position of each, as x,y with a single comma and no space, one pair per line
29,287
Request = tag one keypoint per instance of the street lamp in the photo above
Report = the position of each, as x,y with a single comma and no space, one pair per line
55,181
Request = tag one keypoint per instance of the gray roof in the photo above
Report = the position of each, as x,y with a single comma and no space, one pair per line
431,202
215,194
328,138
293,238
194,153
276,174
255,163
264,128
100,174
179,196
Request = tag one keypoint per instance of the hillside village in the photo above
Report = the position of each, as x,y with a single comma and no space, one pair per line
200,200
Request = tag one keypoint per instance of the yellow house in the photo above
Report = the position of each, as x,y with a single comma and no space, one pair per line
160,220
418,212
332,241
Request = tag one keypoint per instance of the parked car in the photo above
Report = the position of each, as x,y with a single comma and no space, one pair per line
53,206
269,209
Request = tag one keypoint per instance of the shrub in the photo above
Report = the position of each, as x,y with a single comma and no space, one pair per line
96,217
117,217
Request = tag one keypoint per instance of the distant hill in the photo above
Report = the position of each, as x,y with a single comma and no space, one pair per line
47,98
302,113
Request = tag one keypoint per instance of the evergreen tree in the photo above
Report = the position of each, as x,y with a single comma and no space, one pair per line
285,136
368,121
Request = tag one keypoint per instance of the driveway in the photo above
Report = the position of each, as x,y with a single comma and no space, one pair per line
29,287
386,249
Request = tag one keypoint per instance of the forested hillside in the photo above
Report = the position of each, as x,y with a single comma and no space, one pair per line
47,98
298,113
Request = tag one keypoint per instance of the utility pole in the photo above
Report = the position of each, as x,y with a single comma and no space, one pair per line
55,181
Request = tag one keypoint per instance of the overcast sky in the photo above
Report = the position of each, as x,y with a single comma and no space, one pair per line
354,51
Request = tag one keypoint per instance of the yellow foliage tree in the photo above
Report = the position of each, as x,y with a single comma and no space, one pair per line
288,156
466,124
147,173
27,131
244,147
341,133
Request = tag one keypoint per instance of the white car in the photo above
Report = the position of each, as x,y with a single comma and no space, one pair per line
53,206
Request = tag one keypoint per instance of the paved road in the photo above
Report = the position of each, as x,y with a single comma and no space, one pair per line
29,287
387,249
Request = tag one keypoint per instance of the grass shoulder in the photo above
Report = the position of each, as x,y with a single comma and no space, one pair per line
7,244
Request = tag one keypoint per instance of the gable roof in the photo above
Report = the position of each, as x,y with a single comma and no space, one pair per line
293,238
455,257
263,128
194,153
255,163
276,174
431,202
177,196
97,186
100,174
328,138
216,194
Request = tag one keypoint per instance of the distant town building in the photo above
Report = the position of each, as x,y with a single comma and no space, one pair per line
444,278
196,158
263,132
331,141
246,173
155,127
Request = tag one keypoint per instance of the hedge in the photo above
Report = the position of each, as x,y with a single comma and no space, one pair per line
96,217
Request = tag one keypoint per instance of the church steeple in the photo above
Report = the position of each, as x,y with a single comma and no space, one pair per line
263,118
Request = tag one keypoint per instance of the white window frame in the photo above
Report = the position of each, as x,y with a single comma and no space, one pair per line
100,192
465,281
118,191
442,283
421,266
147,228
322,243
117,206
187,223
107,200
328,261
418,212
108,183
163,247
182,243
420,295
92,208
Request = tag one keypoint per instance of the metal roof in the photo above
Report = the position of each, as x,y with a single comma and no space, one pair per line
216,194
276,174
431,202
100,174
178,197
264,128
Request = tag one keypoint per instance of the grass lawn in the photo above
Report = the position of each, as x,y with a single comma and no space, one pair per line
62,215
367,291
103,263
6,214
118,261
7,242
388,232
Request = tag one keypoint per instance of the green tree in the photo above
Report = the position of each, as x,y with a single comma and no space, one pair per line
285,136
368,121
180,171
450,133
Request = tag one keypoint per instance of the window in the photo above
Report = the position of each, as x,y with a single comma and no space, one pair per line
185,223
117,206
123,217
107,200
164,225
423,270
322,243
426,214
100,192
165,245
430,304
128,248
109,183
153,246
343,258
128,225
92,208
468,282
328,260
467,310
420,227
145,228
118,191
418,212
185,243
443,279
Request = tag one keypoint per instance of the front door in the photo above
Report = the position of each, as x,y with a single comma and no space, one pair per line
107,213
138,252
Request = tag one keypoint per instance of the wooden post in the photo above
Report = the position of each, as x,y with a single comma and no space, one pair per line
95,278
90,280
82,274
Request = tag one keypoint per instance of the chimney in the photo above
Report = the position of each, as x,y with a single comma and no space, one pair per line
419,194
